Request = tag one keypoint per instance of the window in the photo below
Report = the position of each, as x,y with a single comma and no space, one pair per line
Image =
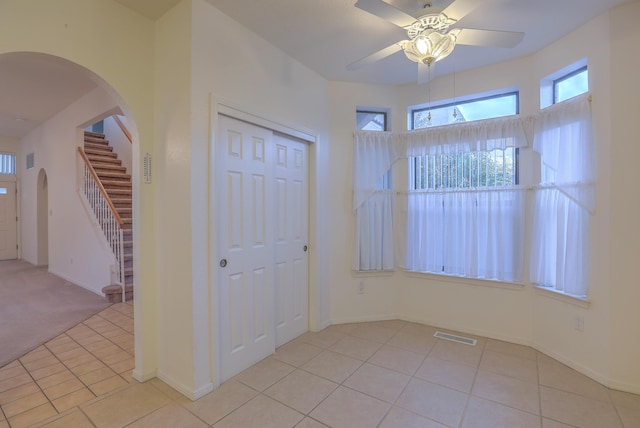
374,243
371,120
469,169
7,163
565,200
571,85
464,215
476,108
374,120
464,170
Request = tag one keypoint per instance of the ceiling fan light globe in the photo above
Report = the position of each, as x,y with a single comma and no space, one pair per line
444,46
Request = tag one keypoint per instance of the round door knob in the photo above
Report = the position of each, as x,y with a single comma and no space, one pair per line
223,262
305,248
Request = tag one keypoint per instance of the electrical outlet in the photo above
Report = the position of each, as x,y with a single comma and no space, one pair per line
361,287
578,323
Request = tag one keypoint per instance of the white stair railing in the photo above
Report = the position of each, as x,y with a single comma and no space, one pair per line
97,199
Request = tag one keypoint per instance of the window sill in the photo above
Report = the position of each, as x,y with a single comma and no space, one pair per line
466,281
366,273
550,293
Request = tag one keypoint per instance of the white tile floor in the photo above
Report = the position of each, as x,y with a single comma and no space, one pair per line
380,374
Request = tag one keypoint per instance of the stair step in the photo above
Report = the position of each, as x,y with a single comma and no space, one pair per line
93,134
100,147
104,162
114,184
114,176
103,168
101,153
121,202
97,141
119,191
126,211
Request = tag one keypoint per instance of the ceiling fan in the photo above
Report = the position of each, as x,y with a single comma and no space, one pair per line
432,36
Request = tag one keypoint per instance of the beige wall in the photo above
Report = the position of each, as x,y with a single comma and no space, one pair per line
173,203
77,249
121,61
624,229
195,57
203,58
607,349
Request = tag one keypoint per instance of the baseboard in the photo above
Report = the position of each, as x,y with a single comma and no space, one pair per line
592,374
143,377
624,387
475,332
364,318
191,394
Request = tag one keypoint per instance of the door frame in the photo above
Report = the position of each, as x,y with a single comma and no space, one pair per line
219,106
11,178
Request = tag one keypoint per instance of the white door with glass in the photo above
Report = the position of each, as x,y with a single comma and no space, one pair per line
8,221
248,229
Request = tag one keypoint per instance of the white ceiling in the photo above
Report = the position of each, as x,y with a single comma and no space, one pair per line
327,35
324,35
34,87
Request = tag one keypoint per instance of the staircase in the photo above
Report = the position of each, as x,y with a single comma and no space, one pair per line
117,183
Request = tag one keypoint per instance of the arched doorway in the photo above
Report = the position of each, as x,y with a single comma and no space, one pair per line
42,202
44,198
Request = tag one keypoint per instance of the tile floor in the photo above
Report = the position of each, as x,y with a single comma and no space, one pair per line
379,374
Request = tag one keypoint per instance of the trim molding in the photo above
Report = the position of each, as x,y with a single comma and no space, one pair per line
191,394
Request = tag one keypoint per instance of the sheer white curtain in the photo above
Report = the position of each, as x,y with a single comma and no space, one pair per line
470,233
374,153
563,205
374,245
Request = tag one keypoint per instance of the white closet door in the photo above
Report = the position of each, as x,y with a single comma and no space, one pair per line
245,211
291,246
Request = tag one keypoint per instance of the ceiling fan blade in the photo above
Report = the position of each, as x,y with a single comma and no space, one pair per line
425,72
460,8
376,56
501,39
386,11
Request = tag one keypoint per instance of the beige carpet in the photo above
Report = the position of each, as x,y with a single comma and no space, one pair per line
36,306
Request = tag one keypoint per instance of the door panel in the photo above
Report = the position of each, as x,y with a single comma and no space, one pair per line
8,222
262,232
291,257
246,281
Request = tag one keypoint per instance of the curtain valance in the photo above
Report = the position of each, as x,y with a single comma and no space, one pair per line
376,151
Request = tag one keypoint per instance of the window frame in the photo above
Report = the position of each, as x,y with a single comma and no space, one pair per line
463,101
385,183
565,77
13,161
471,99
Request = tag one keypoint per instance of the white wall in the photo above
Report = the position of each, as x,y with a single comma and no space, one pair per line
119,141
10,145
121,61
380,295
172,158
624,199
78,250
607,349
203,58
553,328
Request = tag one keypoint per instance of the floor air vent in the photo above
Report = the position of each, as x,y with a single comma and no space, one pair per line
455,338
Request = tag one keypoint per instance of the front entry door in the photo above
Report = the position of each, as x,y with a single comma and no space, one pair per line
8,221
262,233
